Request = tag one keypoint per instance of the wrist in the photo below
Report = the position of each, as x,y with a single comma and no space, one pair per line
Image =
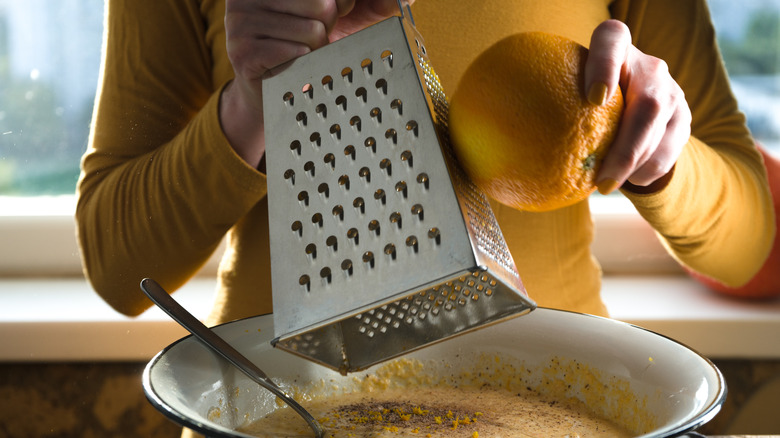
242,124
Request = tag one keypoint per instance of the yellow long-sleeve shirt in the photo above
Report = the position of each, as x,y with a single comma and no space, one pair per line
161,186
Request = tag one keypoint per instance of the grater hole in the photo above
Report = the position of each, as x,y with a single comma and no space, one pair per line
423,179
397,106
321,110
308,168
406,156
387,58
327,83
390,250
325,274
295,146
324,190
420,46
381,86
315,139
297,228
395,218
289,174
346,74
417,210
303,197
335,131
400,187
341,102
361,94
391,135
311,250
355,123
349,151
344,182
412,243
338,211
308,90
333,243
376,114
368,66
368,258
288,98
353,235
435,235
380,196
365,173
305,281
387,166
346,266
373,226
301,119
412,127
359,204
371,144
330,159
316,219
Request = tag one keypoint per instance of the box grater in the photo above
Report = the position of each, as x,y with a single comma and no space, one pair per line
379,242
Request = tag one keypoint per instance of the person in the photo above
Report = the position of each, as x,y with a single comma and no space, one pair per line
176,154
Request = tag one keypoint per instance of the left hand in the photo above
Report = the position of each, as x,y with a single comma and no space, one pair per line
656,121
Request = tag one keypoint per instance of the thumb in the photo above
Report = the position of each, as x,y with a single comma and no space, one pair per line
344,7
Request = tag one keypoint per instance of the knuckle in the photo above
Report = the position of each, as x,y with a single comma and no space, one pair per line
655,168
649,104
624,158
614,26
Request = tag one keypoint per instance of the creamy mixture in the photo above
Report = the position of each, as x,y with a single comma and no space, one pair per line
439,412
403,400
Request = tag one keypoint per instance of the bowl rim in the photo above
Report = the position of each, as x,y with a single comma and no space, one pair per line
705,415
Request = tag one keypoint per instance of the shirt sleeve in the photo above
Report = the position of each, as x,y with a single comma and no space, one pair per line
160,185
716,215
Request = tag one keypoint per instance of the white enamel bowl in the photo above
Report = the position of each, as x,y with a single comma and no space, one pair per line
677,388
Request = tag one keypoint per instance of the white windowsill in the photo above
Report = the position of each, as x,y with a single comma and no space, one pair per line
50,313
60,320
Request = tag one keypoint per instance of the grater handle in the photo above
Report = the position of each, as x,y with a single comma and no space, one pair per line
406,10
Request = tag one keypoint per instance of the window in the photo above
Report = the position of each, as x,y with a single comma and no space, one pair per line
749,39
49,64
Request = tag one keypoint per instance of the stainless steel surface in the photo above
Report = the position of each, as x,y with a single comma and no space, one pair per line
179,314
379,242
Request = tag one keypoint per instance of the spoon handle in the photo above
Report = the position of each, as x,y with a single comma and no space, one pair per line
169,305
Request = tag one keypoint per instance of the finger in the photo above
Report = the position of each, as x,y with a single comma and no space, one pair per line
675,136
635,133
344,7
276,52
274,25
607,54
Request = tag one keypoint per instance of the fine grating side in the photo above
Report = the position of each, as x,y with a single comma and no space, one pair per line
379,242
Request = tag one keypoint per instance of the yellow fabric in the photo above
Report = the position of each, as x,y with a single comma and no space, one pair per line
161,186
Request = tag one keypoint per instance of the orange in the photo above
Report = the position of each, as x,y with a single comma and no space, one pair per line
522,127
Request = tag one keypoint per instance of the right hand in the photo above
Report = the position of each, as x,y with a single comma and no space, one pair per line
262,34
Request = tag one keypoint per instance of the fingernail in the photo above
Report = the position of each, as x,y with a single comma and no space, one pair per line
597,94
607,186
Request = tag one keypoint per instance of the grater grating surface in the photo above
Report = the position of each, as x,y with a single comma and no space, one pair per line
379,242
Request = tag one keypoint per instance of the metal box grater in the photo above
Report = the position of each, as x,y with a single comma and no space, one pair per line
379,242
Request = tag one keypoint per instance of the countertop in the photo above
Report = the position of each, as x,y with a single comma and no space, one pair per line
54,320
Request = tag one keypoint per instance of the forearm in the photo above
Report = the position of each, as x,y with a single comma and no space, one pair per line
162,213
715,215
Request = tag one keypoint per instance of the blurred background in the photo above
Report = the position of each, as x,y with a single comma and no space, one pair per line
50,57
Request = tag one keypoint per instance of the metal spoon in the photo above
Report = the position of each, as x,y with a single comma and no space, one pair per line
179,314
